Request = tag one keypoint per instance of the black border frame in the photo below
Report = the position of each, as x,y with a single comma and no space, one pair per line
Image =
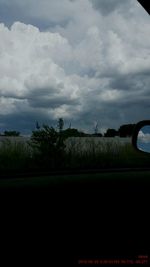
145,5
137,128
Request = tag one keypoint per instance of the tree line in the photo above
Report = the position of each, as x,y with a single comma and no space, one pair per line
124,130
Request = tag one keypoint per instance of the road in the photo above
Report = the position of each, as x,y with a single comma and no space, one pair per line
96,216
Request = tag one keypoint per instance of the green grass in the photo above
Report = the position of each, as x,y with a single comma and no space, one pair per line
20,157
106,155
14,155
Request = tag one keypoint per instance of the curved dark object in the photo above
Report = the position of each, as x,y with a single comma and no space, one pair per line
145,4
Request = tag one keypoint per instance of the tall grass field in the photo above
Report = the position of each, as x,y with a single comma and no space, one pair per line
18,154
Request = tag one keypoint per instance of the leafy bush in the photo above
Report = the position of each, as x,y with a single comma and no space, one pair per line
48,146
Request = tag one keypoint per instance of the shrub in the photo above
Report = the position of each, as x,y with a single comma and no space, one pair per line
48,147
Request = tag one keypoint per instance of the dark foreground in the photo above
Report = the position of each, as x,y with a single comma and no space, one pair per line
69,222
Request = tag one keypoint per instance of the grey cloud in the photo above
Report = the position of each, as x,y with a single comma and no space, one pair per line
133,86
106,7
25,121
54,102
127,82
85,70
32,12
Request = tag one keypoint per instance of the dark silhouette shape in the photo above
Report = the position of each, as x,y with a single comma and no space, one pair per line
145,4
11,133
111,133
126,130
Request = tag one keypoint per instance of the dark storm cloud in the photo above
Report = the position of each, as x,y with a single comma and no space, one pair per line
55,102
127,82
25,122
131,83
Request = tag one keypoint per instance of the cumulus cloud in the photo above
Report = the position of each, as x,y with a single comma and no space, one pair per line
144,137
32,69
143,141
84,60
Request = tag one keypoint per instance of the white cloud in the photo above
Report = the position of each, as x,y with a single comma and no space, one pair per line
32,62
86,63
144,137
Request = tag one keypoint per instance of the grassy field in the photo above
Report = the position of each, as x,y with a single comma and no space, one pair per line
20,157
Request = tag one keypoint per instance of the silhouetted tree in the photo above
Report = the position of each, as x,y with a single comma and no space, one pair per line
11,133
126,130
111,133
49,146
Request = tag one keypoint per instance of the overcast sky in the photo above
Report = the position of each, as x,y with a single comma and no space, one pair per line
87,61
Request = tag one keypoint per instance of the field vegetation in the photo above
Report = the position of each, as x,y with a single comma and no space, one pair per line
49,150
